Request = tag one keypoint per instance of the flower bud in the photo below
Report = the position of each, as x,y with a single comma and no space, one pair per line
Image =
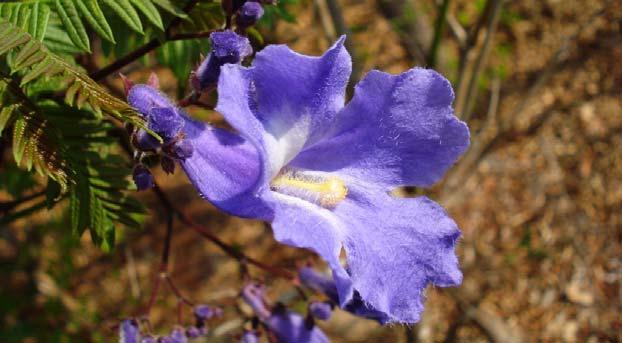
178,336
148,339
204,312
144,141
314,280
142,177
227,47
166,122
181,149
195,332
321,310
129,331
249,14
253,294
250,336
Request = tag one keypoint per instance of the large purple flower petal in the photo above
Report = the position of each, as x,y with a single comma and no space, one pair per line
394,247
397,130
285,101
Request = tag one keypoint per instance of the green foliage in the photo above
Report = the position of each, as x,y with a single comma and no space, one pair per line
63,142
72,17
33,139
279,11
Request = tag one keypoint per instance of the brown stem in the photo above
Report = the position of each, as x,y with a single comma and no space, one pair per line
9,205
228,249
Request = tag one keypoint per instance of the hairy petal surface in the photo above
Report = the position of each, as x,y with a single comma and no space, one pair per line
394,247
397,130
285,101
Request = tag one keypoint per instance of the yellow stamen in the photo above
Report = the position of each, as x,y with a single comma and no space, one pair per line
324,191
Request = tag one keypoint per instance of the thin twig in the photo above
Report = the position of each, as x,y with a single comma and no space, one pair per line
490,135
480,61
9,205
438,33
228,249
467,55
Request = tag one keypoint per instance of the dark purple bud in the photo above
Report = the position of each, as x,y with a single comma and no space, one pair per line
253,294
143,98
144,141
205,312
250,336
181,149
142,177
314,280
178,336
249,14
227,47
168,164
148,339
321,310
166,122
129,331
194,332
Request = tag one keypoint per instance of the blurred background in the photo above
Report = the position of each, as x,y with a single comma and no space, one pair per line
538,196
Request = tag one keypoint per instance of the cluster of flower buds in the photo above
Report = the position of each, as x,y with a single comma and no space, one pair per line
285,325
163,118
130,332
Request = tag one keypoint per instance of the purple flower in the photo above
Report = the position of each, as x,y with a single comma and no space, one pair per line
227,47
318,282
148,339
250,336
142,177
205,312
164,118
321,173
321,310
249,14
178,336
129,331
290,327
254,295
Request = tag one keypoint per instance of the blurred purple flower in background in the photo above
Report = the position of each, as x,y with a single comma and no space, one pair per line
129,331
322,172
287,326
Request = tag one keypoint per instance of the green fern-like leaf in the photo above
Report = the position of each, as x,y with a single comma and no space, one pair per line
37,17
34,60
35,141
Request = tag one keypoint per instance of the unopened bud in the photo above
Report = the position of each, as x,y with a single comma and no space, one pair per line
321,310
142,177
249,14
